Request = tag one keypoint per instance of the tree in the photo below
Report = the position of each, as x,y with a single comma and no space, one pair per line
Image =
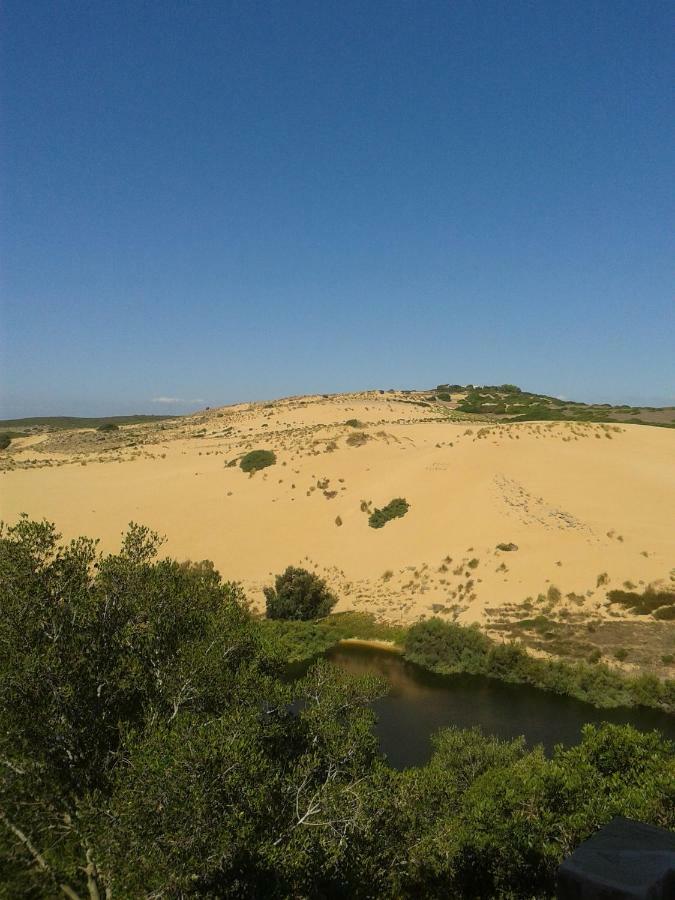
95,650
147,743
298,594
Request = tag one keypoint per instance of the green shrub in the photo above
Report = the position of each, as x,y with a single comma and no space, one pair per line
553,594
5,441
447,648
108,426
256,460
621,654
444,396
393,510
298,594
354,423
646,603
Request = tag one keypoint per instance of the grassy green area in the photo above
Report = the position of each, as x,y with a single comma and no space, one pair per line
297,641
59,423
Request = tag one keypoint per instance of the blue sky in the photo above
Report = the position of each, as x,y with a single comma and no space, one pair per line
213,201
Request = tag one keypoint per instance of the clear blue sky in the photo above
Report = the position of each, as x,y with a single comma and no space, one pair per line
215,201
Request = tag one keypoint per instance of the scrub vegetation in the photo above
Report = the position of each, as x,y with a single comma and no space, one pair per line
393,510
298,594
256,460
151,746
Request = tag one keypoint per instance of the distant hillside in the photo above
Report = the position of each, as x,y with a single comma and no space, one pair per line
507,402
58,423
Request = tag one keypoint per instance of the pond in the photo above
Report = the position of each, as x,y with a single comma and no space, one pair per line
420,702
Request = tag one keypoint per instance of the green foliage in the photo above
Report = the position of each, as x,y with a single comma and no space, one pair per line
659,603
298,594
5,440
394,509
297,640
256,460
149,747
444,396
108,426
447,647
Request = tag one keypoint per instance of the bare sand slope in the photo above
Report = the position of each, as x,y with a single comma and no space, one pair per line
588,506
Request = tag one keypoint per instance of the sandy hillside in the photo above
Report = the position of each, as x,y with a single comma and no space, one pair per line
588,506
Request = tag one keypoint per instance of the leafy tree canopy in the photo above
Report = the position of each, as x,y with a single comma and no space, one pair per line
298,594
150,747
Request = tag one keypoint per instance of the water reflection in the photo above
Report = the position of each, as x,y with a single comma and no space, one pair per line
420,702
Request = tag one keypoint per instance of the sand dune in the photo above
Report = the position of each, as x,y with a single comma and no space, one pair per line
579,500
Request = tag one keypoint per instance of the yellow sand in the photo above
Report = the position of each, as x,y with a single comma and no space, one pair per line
579,500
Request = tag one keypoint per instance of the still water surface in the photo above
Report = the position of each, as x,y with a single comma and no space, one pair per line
420,702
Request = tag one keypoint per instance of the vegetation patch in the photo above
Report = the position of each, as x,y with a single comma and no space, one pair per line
393,510
659,603
447,648
358,439
300,641
159,748
256,460
298,594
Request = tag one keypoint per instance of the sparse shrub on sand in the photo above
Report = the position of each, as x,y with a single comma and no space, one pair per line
393,510
553,594
354,423
256,460
358,439
507,548
108,426
298,594
659,603
5,441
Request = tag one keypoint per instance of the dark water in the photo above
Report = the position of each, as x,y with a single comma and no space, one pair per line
420,702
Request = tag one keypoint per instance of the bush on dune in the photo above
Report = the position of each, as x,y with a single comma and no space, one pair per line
256,460
393,510
298,594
